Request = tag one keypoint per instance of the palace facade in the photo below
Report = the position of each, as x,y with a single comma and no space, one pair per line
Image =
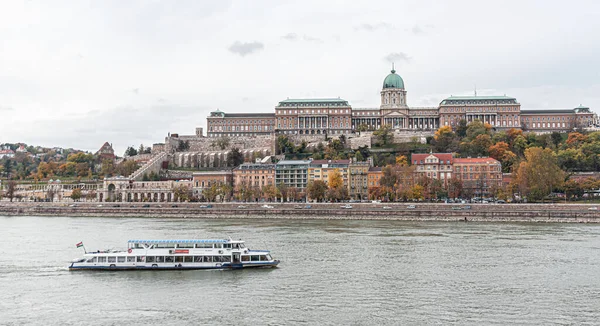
335,116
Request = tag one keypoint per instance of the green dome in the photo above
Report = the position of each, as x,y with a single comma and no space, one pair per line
393,81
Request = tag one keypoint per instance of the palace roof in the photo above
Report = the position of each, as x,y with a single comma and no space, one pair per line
315,101
479,100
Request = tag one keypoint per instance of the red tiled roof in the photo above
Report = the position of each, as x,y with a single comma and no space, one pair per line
440,156
476,160
6,151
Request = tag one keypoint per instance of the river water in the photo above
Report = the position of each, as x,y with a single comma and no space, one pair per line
332,273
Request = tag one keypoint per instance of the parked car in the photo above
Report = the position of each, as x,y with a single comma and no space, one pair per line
146,205
411,206
387,207
99,205
242,206
467,207
307,207
297,207
456,208
266,206
116,205
206,206
347,206
593,208
73,205
500,202
174,206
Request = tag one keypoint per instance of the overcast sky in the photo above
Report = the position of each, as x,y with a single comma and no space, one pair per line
79,73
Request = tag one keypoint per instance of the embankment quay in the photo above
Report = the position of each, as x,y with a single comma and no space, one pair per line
564,213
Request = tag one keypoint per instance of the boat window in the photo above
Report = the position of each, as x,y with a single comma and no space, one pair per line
263,258
203,245
102,259
121,259
179,259
91,260
254,258
242,245
218,245
226,259
150,259
140,259
159,259
165,245
112,259
188,259
138,246
269,257
168,259
185,245
197,259
227,245
208,259
245,258
131,259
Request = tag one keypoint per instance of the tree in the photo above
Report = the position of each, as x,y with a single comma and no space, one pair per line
358,156
127,167
384,135
317,190
401,160
8,167
235,157
76,194
182,193
142,149
11,187
221,143
362,127
130,151
443,139
183,146
501,152
461,130
538,174
282,188
270,192
476,128
108,167
455,187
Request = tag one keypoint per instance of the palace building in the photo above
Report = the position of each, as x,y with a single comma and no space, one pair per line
335,116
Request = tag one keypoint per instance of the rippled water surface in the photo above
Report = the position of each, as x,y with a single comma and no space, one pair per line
332,272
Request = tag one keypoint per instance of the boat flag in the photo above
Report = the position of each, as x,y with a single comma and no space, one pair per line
79,244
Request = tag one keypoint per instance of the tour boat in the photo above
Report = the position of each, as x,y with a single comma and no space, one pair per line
176,255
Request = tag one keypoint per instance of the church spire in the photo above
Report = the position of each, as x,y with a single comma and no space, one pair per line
393,70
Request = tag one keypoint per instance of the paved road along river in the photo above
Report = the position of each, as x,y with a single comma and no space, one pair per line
332,272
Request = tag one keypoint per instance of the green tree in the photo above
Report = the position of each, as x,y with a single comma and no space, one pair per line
130,151
461,130
361,128
443,139
221,143
384,135
235,157
76,194
11,188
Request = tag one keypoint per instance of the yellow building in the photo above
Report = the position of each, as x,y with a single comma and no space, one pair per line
320,169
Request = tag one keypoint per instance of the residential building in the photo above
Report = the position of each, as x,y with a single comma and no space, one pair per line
292,173
374,176
480,176
433,165
106,152
358,183
321,169
205,179
256,175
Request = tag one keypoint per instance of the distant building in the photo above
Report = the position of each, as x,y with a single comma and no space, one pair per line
8,153
106,152
21,149
333,116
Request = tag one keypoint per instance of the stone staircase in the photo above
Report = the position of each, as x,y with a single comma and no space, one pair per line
153,165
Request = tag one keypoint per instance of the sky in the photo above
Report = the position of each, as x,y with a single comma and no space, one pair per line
79,73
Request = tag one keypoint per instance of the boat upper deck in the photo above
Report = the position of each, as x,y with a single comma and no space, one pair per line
185,243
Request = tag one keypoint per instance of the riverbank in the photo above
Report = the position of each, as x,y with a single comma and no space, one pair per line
553,213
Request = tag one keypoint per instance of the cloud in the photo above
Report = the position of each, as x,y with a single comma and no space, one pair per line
397,57
136,91
5,108
420,29
244,49
293,37
374,27
290,37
